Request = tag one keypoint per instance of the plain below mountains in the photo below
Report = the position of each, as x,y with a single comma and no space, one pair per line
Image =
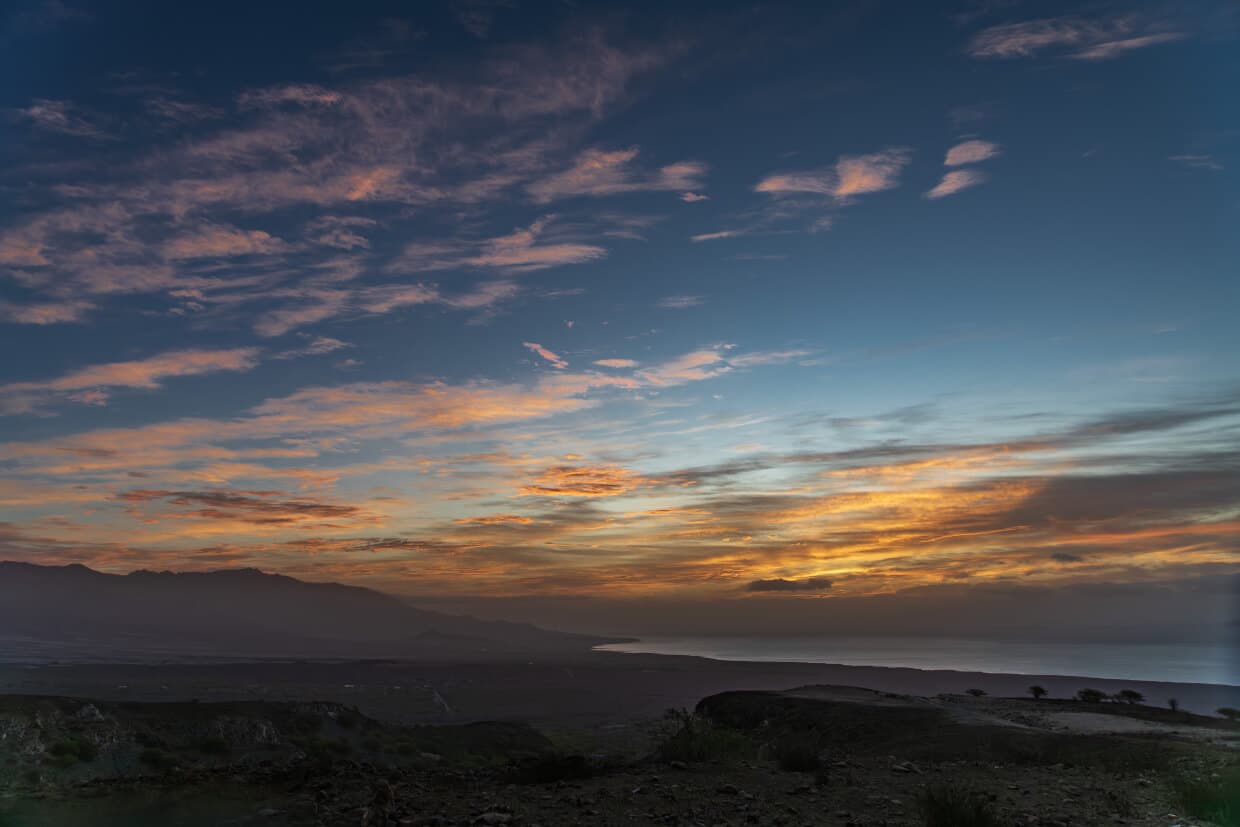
76,613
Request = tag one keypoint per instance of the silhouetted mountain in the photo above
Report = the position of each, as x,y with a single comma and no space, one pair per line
239,612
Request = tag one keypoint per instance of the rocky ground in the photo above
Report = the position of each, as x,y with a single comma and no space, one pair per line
818,755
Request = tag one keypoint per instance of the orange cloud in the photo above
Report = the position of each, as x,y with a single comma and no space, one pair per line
584,481
89,385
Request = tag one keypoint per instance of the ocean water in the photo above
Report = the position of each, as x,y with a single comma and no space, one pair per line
1178,662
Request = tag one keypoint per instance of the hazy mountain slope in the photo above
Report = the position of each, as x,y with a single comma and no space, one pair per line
242,612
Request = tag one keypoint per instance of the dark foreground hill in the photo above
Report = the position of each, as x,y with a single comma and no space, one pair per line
72,610
811,756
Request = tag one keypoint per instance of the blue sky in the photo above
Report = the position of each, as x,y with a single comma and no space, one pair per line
496,298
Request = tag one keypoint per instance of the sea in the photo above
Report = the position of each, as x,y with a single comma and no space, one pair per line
1209,663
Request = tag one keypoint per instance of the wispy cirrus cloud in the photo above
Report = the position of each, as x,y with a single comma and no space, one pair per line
850,176
552,358
1075,37
1198,161
91,385
584,481
956,181
597,172
42,313
64,118
681,302
164,214
971,152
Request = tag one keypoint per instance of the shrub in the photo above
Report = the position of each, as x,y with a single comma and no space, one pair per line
213,745
799,753
1091,696
977,693
692,738
1130,696
1215,801
157,759
1228,713
951,806
1173,704
547,769
69,752
1037,691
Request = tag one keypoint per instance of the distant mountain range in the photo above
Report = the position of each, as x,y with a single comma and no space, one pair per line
77,612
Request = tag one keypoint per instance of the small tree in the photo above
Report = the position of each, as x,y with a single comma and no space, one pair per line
1091,696
1037,691
1173,704
1229,713
977,693
1130,696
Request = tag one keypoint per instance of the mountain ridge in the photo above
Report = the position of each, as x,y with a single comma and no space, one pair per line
244,612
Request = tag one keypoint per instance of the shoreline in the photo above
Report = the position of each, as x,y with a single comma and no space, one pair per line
587,687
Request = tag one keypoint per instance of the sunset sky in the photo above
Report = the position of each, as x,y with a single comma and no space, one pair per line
755,301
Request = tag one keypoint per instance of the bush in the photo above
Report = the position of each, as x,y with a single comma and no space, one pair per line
157,759
799,753
69,752
213,745
1173,704
1130,696
1228,713
977,693
547,769
1091,696
1037,692
951,806
692,738
1215,801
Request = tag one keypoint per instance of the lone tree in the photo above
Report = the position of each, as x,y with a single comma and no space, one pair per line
1228,712
1173,704
1091,696
1037,691
977,693
1130,696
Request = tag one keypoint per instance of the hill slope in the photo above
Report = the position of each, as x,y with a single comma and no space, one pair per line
241,612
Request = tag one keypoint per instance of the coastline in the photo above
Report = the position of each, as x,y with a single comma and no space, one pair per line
588,688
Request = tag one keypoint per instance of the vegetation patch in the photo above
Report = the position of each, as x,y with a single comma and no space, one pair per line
1215,800
692,738
952,806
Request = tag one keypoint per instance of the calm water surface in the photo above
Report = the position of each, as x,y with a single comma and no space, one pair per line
1180,662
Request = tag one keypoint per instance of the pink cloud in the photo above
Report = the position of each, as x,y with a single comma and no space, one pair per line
554,359
970,152
850,176
42,313
616,363
89,385
956,181
1093,39
598,172
217,241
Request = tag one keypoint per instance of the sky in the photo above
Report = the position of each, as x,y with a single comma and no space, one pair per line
740,310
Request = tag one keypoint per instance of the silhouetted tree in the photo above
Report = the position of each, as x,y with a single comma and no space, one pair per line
1173,704
1037,691
977,693
1229,713
1091,696
1130,696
